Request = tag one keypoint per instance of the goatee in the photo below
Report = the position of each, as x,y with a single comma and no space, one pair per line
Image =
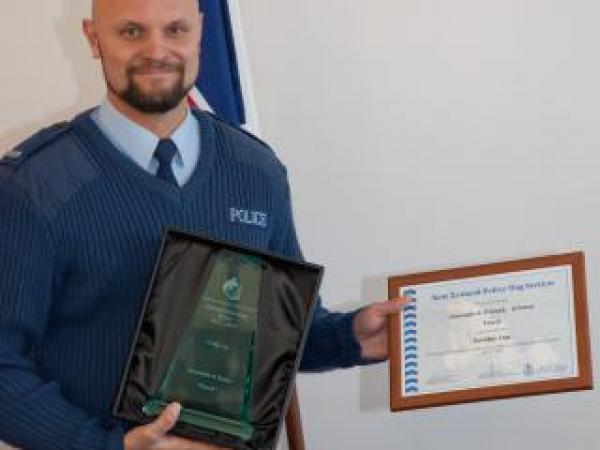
158,102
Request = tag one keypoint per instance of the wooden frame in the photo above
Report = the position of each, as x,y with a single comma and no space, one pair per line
293,424
398,401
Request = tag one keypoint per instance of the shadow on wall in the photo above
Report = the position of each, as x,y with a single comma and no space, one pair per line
375,379
81,68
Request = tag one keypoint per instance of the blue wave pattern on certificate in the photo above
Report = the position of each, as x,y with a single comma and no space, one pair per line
411,342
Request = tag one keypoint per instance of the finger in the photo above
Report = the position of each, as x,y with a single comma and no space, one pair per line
167,420
401,300
392,306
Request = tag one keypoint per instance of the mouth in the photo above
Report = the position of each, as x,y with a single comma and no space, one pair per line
155,77
157,68
154,71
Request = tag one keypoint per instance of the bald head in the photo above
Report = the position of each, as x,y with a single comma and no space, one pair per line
96,2
100,7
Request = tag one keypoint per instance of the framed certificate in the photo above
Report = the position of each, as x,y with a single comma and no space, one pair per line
490,331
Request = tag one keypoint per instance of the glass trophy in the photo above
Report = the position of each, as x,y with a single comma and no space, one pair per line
211,372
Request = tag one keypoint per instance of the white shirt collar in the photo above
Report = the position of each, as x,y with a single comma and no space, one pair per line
139,143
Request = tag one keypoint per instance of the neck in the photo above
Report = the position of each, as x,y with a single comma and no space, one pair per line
160,124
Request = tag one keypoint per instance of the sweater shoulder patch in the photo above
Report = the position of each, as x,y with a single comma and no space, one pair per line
49,168
35,143
245,148
224,123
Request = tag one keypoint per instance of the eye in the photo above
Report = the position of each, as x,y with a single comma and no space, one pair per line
131,32
176,29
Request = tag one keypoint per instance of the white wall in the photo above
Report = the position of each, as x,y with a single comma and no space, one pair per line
419,134
47,73
426,134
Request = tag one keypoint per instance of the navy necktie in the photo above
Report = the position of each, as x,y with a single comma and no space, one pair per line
164,153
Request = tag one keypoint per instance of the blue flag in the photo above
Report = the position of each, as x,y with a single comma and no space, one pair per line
218,82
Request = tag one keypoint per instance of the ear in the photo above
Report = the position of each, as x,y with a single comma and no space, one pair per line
200,29
89,30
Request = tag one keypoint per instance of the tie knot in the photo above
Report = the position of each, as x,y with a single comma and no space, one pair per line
165,151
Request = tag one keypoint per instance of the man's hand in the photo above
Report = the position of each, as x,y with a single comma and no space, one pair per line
154,435
371,327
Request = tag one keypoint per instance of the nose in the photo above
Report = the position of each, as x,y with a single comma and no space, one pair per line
155,47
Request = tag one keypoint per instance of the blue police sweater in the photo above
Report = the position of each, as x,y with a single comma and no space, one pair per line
80,227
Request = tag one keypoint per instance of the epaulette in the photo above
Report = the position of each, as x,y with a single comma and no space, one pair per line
35,143
234,126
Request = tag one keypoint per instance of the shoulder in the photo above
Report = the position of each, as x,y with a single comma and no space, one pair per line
29,147
243,147
46,168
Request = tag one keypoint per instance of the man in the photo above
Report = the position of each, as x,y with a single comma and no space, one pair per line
83,206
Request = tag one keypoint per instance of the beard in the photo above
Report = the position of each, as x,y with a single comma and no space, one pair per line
157,101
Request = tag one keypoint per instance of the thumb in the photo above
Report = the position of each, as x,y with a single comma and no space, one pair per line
167,420
389,307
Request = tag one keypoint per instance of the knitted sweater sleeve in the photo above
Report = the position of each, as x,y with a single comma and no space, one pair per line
331,342
33,413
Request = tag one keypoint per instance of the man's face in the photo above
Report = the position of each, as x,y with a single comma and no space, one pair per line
149,50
